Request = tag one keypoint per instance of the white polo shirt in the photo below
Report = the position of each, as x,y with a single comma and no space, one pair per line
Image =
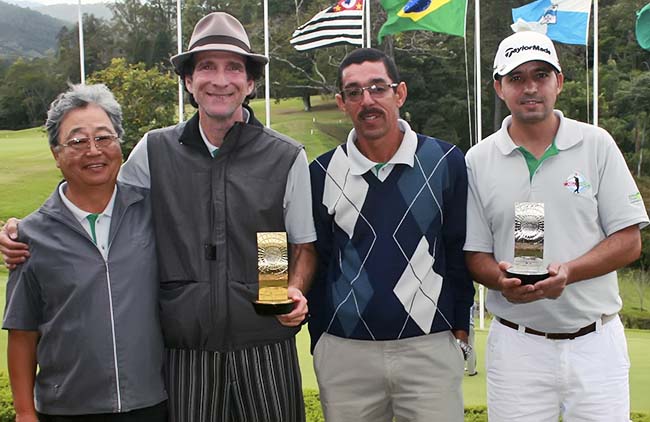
405,154
588,194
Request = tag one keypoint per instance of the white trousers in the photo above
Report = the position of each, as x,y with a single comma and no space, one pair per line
415,379
532,379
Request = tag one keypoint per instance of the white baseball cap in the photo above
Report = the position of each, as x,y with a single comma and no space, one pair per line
522,47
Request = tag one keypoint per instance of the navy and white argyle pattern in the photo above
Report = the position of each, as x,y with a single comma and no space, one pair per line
391,260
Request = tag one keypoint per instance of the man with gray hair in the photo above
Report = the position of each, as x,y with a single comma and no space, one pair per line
75,308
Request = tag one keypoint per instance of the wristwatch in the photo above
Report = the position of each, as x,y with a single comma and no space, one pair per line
464,347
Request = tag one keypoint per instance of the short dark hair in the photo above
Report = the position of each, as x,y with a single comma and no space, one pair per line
361,55
254,71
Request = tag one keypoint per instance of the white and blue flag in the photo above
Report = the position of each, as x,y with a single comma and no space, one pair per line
565,21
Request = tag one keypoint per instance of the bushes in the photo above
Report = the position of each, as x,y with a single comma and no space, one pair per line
635,318
6,403
312,407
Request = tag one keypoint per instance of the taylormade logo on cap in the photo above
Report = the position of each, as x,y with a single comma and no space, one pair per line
522,47
511,51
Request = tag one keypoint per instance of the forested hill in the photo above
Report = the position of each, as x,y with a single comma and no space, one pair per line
26,33
68,12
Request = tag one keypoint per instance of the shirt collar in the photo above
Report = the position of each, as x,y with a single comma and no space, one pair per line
246,116
360,164
77,212
566,137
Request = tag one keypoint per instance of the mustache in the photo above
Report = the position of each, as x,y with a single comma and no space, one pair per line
363,113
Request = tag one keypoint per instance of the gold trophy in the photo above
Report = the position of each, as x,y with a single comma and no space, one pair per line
528,265
273,270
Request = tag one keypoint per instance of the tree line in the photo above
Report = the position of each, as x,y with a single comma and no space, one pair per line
135,45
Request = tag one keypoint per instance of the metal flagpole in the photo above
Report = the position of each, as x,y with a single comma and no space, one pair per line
82,66
595,62
479,133
267,78
477,58
179,45
366,14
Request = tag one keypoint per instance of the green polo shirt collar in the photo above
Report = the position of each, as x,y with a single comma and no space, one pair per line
532,162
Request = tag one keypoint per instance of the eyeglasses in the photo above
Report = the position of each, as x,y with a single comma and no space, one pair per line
82,144
378,90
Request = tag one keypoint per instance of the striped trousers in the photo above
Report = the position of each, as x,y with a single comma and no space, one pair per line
258,384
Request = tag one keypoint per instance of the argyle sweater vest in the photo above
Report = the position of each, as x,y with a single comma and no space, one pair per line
391,264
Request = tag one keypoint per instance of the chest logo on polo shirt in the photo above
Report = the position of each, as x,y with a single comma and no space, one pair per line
576,183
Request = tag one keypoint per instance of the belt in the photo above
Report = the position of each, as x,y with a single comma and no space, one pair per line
557,336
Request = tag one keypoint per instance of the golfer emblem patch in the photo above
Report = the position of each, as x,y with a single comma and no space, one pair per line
576,183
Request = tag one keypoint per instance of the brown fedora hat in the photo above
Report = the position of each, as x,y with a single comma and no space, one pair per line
218,31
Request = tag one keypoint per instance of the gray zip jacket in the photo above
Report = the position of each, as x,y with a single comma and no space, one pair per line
206,215
100,347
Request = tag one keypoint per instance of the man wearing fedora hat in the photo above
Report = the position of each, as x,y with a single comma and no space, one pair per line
556,347
215,181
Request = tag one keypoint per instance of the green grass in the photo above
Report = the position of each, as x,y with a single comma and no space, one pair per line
629,291
28,172
319,130
28,175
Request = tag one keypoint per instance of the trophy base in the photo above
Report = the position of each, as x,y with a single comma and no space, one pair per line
528,278
273,308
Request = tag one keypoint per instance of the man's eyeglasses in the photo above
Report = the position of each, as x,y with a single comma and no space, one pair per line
378,90
82,144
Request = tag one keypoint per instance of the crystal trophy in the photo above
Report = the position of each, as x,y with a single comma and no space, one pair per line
528,265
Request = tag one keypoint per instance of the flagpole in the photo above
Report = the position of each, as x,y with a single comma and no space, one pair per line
267,78
82,60
179,47
477,58
366,7
479,132
595,63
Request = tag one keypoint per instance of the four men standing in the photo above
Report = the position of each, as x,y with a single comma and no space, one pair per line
389,309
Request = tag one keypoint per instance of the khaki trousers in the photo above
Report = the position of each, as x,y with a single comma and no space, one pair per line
415,379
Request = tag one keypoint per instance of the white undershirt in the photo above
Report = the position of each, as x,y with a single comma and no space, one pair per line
102,224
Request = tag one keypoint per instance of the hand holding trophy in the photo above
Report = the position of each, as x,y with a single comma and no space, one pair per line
273,270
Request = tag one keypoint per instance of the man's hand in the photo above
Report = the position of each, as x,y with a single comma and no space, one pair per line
513,290
553,286
300,309
13,253
461,335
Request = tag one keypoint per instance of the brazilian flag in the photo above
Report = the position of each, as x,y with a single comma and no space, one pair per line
447,16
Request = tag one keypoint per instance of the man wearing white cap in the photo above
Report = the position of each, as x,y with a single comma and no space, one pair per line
556,347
